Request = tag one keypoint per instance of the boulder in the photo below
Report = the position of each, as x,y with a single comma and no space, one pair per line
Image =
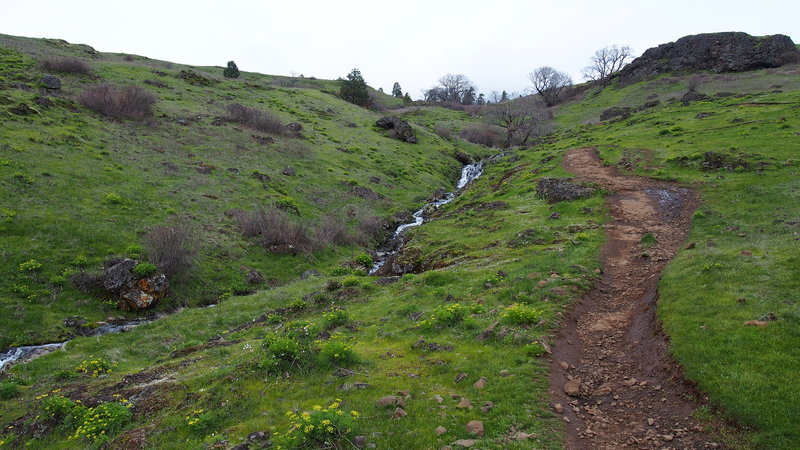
402,130
119,274
475,427
51,82
43,102
556,190
717,52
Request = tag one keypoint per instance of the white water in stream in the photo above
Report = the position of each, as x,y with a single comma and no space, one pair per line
469,173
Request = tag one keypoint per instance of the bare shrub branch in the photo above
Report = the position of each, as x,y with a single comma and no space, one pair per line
66,65
171,248
119,102
255,119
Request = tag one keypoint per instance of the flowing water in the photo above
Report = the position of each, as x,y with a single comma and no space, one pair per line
469,173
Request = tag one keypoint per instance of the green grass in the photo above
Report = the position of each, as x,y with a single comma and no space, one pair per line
491,248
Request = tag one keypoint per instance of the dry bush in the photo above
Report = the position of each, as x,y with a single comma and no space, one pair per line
481,135
694,82
370,228
119,102
333,230
297,149
276,231
171,248
255,119
444,131
66,65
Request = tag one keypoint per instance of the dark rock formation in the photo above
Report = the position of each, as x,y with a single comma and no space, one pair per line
51,82
718,52
402,130
133,293
561,189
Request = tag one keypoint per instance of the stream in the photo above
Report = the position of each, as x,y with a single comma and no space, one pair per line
26,353
22,354
469,173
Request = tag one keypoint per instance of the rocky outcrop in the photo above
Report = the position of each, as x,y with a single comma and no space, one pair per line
401,129
717,52
132,292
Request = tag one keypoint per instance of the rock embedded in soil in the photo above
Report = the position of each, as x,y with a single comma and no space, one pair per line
440,430
475,427
572,388
464,404
390,400
480,384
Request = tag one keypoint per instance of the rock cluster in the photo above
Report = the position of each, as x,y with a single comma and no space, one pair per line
402,130
561,189
132,292
718,52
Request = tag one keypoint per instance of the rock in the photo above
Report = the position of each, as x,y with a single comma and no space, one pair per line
604,389
461,377
464,404
756,323
718,52
440,430
43,102
289,171
559,408
555,190
505,373
22,110
465,442
487,407
51,82
365,193
404,393
668,437
522,436
341,372
693,96
295,128
205,169
438,399
255,277
564,365
651,422
402,130
384,281
360,441
398,413
691,245
463,158
572,388
391,400
480,384
475,427
747,253
118,274
616,111
555,215
309,273
258,436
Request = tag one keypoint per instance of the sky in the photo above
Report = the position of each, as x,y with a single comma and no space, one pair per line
496,44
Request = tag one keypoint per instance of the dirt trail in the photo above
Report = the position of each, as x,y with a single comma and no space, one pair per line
625,389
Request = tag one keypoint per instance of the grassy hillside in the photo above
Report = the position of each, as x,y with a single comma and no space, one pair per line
80,188
328,360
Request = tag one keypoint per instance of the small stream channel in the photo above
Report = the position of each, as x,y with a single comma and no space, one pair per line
469,173
26,353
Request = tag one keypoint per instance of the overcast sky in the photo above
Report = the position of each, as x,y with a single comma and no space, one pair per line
494,43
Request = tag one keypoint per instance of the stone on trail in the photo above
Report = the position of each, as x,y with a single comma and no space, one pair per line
572,388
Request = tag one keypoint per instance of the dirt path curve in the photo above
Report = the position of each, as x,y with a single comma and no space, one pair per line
612,373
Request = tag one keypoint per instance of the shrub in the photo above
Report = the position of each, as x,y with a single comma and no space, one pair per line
255,119
6,217
443,131
30,266
102,420
144,270
323,427
448,315
519,314
337,353
481,135
277,232
171,248
351,281
200,422
365,260
231,71
95,367
8,390
113,199
298,304
61,410
336,318
282,354
119,102
534,350
301,330
66,65
333,230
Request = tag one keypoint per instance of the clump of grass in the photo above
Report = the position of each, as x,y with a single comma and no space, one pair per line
648,240
519,314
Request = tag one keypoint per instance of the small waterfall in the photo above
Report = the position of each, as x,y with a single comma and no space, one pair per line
469,173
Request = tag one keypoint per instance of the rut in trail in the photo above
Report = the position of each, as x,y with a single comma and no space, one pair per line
611,372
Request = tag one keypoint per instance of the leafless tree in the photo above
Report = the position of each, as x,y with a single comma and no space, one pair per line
520,118
605,62
494,97
549,83
451,88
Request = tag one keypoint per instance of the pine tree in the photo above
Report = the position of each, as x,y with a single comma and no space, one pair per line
504,97
481,100
231,71
354,89
396,91
407,99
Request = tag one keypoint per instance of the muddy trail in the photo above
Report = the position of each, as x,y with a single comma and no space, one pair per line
612,377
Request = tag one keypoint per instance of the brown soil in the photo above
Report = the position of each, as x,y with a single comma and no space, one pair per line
610,348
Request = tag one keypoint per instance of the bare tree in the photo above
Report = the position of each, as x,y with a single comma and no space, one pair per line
549,83
451,88
520,118
605,62
494,97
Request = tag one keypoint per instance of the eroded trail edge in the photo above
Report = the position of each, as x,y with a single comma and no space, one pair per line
612,377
